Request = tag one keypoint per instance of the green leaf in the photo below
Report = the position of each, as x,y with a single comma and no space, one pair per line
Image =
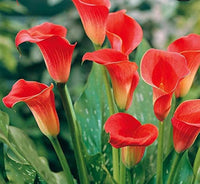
26,147
4,122
1,179
18,173
197,178
139,174
96,170
184,172
92,112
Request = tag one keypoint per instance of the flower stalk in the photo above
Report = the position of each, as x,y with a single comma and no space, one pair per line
75,132
196,166
159,177
122,173
54,141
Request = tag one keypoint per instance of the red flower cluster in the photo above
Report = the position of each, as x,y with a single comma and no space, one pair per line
166,71
124,34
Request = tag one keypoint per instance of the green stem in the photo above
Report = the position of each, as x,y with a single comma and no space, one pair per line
75,132
173,168
62,159
159,177
116,160
196,163
115,152
122,173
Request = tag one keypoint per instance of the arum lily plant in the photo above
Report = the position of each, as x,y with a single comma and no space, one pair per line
124,108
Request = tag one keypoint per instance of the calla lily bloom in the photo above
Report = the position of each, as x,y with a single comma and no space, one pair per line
126,132
123,32
94,14
40,100
123,73
189,47
163,71
56,50
186,124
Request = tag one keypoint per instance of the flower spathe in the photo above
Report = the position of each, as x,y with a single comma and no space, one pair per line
186,124
93,14
189,47
128,133
163,71
123,73
56,49
40,99
123,32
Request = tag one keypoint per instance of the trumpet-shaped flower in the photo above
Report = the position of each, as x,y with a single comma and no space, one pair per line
56,50
94,14
163,71
40,99
123,32
189,47
186,124
127,133
123,73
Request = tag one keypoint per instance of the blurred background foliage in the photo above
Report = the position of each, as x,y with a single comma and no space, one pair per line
162,21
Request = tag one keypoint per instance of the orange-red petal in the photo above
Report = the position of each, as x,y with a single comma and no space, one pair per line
56,50
163,71
93,14
185,43
39,33
125,78
186,124
40,100
105,56
57,53
162,103
123,73
123,32
125,130
189,47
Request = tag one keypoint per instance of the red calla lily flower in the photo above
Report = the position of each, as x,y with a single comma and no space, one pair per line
40,100
56,50
127,133
123,73
163,71
186,124
123,32
93,14
189,47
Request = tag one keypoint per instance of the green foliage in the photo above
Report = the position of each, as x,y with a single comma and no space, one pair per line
17,166
17,172
92,111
